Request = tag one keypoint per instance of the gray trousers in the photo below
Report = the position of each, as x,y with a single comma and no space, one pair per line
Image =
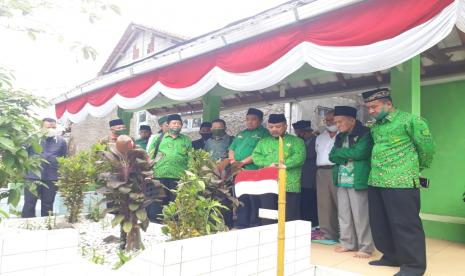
354,220
326,193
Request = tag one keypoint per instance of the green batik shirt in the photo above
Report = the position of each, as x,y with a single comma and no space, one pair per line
245,142
142,143
402,147
267,152
172,156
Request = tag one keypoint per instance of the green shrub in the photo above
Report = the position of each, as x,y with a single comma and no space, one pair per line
75,173
191,214
203,192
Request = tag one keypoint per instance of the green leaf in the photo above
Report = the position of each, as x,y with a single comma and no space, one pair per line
4,214
8,161
117,220
133,206
36,147
22,153
141,215
7,144
14,196
127,226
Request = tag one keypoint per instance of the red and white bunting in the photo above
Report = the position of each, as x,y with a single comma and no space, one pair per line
371,36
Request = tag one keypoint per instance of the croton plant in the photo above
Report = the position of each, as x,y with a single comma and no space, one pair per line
126,189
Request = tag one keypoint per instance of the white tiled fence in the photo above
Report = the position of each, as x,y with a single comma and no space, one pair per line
243,252
25,252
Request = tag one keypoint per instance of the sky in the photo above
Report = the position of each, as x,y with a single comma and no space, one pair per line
47,67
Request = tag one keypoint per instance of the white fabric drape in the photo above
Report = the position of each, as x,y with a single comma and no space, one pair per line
354,59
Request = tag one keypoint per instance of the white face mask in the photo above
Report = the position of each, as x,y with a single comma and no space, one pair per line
51,132
332,128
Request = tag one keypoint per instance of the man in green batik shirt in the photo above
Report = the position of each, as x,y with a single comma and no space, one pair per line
403,146
266,154
240,155
144,134
171,160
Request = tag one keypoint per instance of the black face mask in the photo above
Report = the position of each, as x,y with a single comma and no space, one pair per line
206,136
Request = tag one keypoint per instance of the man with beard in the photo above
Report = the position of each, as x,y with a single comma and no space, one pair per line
403,146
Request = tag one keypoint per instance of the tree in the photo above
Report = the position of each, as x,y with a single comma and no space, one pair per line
19,126
18,130
21,16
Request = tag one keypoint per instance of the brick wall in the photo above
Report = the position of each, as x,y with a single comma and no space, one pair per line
90,131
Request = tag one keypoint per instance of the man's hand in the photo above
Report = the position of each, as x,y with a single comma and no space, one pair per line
280,166
238,164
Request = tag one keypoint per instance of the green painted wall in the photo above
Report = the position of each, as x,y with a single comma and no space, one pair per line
126,116
211,107
443,106
405,77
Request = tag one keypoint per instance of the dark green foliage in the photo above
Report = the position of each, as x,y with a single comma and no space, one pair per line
125,189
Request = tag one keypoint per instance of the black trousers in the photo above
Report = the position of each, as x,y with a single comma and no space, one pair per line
47,197
308,206
270,201
247,214
397,229
154,210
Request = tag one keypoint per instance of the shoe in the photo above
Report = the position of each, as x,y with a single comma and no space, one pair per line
383,262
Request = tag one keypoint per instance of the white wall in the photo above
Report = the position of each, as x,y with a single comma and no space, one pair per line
141,41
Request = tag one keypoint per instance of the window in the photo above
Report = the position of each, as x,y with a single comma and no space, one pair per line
135,52
191,124
320,115
196,122
142,117
151,46
185,123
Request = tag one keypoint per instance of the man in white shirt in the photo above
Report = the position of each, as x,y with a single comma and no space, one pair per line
326,191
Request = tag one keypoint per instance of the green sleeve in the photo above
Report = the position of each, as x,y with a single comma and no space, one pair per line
423,141
259,156
336,159
188,143
151,146
233,145
297,156
361,150
189,149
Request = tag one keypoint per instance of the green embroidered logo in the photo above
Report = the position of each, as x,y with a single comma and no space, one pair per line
425,132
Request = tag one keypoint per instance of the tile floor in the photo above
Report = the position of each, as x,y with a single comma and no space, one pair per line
444,259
